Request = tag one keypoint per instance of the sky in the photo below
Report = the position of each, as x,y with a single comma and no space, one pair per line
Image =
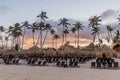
12,11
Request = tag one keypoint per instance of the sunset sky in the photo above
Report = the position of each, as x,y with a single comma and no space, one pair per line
12,11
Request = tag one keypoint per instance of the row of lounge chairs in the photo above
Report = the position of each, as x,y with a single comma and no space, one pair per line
64,64
108,63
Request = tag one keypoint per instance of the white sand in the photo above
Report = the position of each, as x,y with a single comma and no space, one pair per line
24,72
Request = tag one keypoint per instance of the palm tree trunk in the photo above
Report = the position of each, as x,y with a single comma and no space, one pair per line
53,42
56,43
20,41
44,38
1,39
63,36
38,38
41,39
6,44
33,39
75,39
23,37
78,39
94,36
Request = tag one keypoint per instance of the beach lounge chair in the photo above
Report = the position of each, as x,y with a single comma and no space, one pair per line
44,63
39,62
71,64
76,64
58,63
110,65
62,64
93,65
116,65
98,65
17,61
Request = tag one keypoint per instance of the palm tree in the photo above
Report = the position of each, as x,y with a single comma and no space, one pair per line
6,39
94,23
64,23
95,33
110,30
119,19
25,25
78,26
2,29
42,17
65,34
56,37
53,33
108,40
73,29
15,31
40,27
47,28
117,36
33,28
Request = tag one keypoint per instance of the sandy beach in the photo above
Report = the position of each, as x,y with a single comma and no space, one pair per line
26,72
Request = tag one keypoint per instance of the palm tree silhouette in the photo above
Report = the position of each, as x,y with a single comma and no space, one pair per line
95,32
94,23
56,37
117,36
53,33
2,29
42,16
25,25
110,30
33,29
47,28
64,23
15,31
65,34
73,29
78,26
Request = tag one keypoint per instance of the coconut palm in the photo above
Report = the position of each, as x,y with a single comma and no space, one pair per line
95,33
42,18
108,40
73,29
2,29
117,36
65,34
53,33
94,23
15,31
47,28
40,27
78,26
25,25
64,23
110,30
33,29
56,37
6,39
119,19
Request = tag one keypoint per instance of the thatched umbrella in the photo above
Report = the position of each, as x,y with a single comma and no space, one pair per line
34,51
88,50
50,52
66,50
109,52
10,51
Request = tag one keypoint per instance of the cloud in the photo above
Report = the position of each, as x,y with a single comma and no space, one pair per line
110,16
